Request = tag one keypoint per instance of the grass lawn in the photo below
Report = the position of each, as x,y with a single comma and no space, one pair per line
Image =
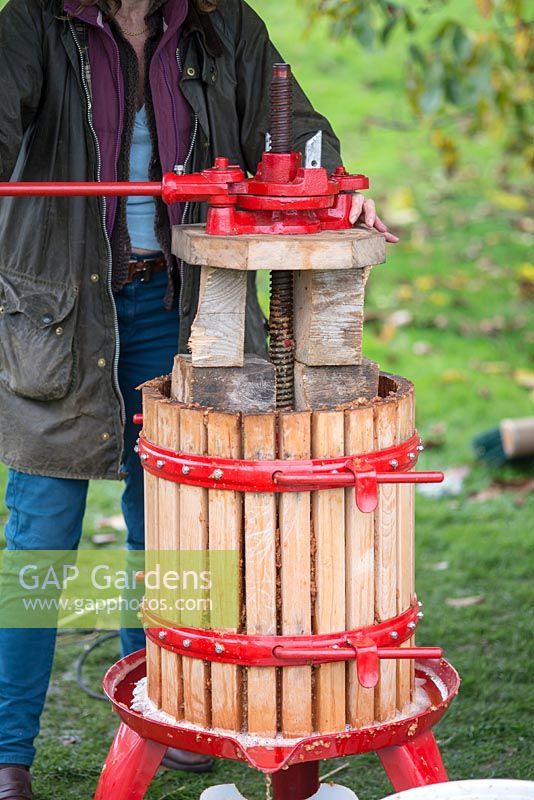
459,277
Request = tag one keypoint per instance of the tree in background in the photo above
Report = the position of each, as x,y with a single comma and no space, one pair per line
462,78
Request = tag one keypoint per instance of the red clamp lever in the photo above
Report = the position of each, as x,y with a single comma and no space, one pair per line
363,650
365,481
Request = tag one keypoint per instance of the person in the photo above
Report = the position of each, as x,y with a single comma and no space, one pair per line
92,302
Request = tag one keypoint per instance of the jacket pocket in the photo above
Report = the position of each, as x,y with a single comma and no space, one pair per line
37,323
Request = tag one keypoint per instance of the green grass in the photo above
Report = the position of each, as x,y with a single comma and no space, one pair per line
456,274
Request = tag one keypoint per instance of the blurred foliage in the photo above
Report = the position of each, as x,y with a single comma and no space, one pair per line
466,72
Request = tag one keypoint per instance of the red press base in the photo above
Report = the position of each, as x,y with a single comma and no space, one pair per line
406,748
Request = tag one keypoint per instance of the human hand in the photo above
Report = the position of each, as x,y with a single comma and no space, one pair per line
364,210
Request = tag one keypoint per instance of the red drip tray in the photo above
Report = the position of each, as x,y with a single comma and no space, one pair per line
440,682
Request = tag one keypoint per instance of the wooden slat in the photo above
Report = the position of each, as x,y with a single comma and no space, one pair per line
225,533
295,554
260,578
328,516
169,539
405,551
194,536
386,558
218,331
151,401
360,565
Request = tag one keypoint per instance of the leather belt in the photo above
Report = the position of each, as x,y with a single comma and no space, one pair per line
144,269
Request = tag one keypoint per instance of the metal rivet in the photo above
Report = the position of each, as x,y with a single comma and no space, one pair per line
160,463
187,642
101,363
47,319
412,456
186,470
2,310
219,648
218,474
95,277
420,447
191,72
394,463
394,635
420,614
136,449
144,457
104,436
412,626
420,603
162,635
59,331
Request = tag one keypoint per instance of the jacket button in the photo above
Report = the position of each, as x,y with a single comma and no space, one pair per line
104,436
95,277
101,362
190,72
47,319
59,331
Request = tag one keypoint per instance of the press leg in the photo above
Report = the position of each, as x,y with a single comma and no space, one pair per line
296,783
130,766
416,763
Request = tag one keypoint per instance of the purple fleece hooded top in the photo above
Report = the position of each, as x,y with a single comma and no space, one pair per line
171,110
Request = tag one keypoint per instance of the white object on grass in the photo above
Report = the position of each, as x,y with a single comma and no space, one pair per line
470,790
326,792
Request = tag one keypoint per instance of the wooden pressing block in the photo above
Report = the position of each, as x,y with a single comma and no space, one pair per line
218,331
328,387
347,249
249,388
328,316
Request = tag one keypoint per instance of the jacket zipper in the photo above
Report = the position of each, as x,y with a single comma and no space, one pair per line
183,170
103,221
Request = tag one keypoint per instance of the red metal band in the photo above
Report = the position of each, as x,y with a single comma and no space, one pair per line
366,645
364,471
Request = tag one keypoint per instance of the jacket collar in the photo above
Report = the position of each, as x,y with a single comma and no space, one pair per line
174,11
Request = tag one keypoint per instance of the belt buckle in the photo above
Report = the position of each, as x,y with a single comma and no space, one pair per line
145,272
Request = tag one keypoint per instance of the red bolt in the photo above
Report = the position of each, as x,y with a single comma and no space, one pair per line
222,163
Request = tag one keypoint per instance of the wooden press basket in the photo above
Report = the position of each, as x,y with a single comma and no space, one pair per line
311,562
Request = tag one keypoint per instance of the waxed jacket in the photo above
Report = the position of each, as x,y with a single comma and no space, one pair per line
61,413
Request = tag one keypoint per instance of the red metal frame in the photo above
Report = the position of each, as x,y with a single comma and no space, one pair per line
365,645
406,747
364,471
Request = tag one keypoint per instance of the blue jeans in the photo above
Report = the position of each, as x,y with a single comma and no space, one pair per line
47,514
